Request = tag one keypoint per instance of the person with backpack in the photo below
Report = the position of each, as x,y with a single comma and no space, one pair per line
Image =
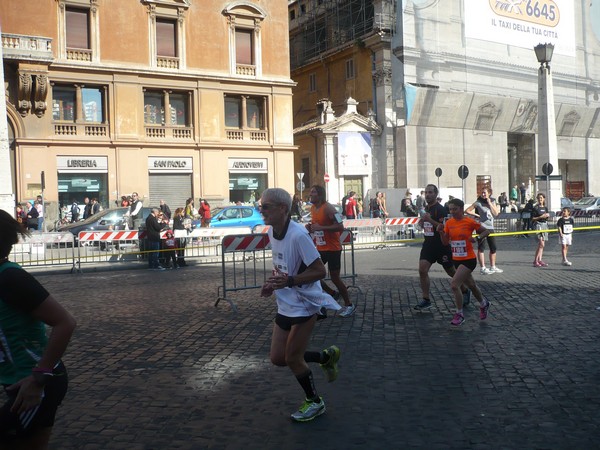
74,212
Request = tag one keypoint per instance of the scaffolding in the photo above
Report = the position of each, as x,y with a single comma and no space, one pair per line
320,26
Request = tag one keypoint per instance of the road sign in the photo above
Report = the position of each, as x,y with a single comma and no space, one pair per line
326,178
300,175
547,169
463,172
438,172
300,186
549,178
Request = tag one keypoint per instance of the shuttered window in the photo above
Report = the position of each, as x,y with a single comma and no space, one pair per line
166,38
173,188
243,47
77,25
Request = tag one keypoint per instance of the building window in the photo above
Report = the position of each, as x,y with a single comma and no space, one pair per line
166,38
79,110
167,114
312,82
350,69
245,117
167,43
245,39
78,30
292,14
302,9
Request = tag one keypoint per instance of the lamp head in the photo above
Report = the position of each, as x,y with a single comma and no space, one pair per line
543,53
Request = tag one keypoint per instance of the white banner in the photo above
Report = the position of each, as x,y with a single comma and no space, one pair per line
354,153
523,23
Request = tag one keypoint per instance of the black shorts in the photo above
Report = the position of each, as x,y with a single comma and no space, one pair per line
14,425
333,258
468,263
437,253
286,323
491,241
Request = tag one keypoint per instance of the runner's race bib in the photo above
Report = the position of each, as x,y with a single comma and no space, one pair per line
428,229
567,228
319,237
459,248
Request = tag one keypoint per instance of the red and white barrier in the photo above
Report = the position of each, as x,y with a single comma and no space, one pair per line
401,220
245,243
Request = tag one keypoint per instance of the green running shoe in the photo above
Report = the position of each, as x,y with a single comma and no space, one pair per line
309,410
330,367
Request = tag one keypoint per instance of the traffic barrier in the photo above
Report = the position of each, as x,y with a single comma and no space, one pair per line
44,249
381,231
249,259
246,271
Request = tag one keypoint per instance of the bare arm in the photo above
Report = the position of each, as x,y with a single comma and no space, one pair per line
315,271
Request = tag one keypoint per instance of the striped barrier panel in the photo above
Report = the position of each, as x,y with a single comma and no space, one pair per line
250,265
44,249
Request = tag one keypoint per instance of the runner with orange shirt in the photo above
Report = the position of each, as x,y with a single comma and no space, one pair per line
458,232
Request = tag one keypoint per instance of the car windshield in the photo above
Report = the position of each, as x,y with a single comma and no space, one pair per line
586,201
95,217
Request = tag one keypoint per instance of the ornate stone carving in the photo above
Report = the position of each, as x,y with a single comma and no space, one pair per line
24,93
383,76
41,91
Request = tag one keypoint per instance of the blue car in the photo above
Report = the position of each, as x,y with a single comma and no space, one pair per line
237,216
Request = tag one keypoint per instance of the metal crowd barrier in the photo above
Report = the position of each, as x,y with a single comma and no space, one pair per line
249,257
44,249
379,232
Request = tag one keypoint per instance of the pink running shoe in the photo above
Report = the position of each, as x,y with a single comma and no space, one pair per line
543,264
536,263
457,320
483,310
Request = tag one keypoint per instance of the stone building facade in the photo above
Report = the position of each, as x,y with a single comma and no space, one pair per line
169,98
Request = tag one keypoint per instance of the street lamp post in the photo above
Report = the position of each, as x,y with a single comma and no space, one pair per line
547,145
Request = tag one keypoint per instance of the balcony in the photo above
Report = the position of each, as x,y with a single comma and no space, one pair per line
97,130
27,48
165,62
245,70
258,136
174,133
79,54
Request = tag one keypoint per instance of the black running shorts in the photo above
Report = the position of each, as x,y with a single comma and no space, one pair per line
436,253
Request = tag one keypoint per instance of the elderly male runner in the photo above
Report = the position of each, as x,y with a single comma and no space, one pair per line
325,227
297,270
433,249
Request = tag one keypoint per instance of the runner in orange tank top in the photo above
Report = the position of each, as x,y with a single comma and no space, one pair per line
458,232
325,228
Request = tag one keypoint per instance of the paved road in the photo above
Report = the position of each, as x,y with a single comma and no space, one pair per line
154,365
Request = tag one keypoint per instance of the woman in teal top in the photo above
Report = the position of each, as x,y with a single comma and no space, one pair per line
31,373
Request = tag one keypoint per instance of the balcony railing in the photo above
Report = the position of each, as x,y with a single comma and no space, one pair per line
26,48
245,69
177,133
165,62
97,130
79,54
247,135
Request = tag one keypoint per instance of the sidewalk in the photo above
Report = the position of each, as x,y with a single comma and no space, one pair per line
154,365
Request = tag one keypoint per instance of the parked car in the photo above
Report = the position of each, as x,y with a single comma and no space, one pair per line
237,216
109,219
587,204
566,203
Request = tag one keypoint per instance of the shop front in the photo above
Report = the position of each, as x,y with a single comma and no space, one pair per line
247,179
80,177
170,179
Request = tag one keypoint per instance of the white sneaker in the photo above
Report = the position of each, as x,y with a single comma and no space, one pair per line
567,263
347,311
485,271
495,269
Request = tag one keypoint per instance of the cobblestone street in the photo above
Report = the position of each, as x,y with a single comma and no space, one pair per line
154,365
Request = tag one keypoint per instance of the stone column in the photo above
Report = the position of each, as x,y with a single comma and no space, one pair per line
7,196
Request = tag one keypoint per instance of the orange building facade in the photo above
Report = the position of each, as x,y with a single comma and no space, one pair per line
168,98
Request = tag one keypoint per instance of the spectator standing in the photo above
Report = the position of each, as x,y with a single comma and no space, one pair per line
205,215
383,205
296,211
512,207
374,206
189,210
503,202
87,208
433,249
514,194
39,205
170,244
523,191
420,203
179,224
297,270
343,203
458,232
359,208
34,378
325,229
539,218
485,209
135,210
350,209
21,215
526,215
165,210
565,234
32,216
95,206
124,201
153,229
